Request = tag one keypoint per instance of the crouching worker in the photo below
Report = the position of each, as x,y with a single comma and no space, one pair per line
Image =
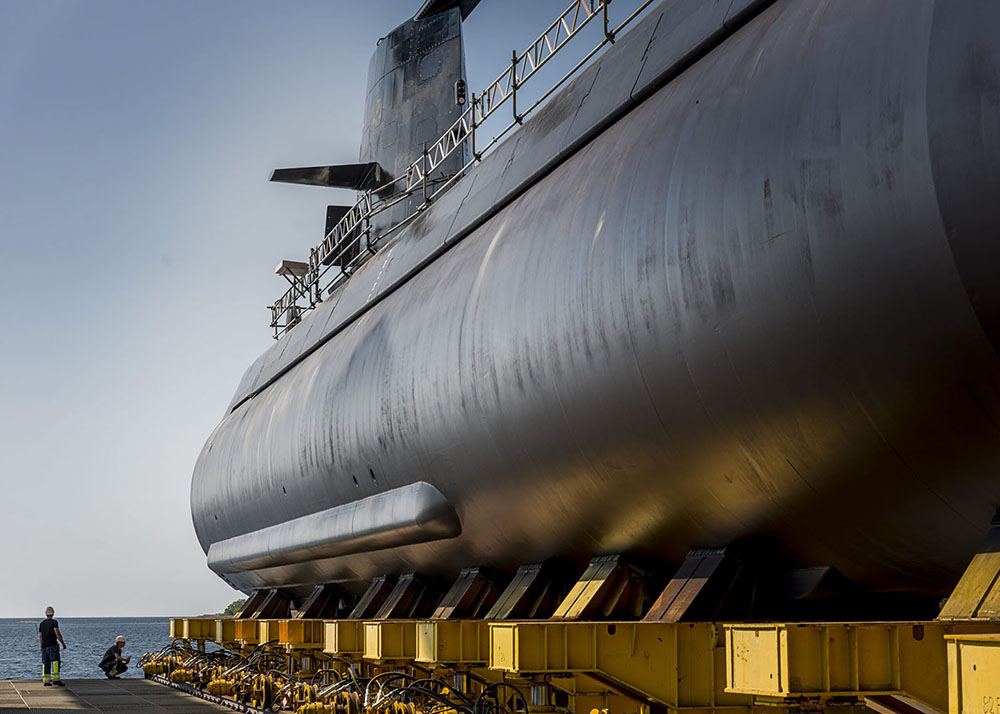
113,663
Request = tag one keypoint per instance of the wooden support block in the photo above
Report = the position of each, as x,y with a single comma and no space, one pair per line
471,596
412,597
373,598
322,603
252,603
608,587
275,606
532,593
699,588
977,594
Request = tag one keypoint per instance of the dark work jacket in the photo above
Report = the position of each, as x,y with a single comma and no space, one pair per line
109,656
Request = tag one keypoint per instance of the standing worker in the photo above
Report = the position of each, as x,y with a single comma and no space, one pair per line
113,663
48,633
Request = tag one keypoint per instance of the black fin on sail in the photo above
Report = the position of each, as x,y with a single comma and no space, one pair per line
360,177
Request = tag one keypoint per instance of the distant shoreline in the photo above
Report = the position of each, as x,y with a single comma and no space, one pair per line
36,620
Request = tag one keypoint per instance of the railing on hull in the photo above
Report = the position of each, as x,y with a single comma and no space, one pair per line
350,243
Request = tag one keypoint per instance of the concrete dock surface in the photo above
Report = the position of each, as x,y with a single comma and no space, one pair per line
121,696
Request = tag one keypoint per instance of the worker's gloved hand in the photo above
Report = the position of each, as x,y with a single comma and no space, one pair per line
64,645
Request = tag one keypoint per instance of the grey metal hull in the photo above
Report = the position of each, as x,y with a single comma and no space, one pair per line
762,304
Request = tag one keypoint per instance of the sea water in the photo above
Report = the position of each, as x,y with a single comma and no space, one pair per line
87,639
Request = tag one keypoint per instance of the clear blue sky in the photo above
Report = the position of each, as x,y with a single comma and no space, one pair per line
138,234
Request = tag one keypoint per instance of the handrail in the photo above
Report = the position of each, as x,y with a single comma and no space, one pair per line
505,86
350,244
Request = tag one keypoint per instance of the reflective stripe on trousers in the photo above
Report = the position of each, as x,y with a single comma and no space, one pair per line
50,663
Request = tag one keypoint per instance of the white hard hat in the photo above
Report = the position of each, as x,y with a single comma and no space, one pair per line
49,610
120,638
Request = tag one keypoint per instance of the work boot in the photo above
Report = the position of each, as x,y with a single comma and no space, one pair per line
46,684
59,683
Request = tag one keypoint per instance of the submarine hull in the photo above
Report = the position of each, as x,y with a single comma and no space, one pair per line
758,305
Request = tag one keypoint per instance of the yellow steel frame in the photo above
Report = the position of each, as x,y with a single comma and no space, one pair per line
680,666
799,663
199,629
225,632
973,674
694,668
344,638
248,632
453,643
390,640
301,634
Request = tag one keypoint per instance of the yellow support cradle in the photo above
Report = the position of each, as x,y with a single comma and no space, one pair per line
973,674
453,642
390,640
344,638
879,664
679,666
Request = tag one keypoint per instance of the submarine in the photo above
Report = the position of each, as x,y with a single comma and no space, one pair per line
734,285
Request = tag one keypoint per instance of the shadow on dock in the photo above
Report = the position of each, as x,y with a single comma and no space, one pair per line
121,696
